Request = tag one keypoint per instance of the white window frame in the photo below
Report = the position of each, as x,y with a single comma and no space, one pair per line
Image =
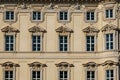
95,16
64,43
36,75
9,43
68,16
109,78
109,18
90,42
90,15
91,75
36,20
14,74
37,43
10,20
109,41
63,75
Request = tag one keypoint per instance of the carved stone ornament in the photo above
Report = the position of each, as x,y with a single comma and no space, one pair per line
109,62
36,29
64,64
37,64
109,27
91,65
9,29
9,65
64,29
90,30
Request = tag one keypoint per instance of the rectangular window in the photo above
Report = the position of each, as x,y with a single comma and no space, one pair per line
36,15
90,45
9,75
90,75
109,41
9,43
109,13
36,43
36,75
90,16
109,75
63,15
63,43
63,75
9,15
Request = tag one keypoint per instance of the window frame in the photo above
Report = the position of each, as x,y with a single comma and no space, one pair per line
91,43
113,16
63,78
10,42
41,74
109,78
68,16
109,41
95,15
64,43
14,16
41,16
90,75
37,42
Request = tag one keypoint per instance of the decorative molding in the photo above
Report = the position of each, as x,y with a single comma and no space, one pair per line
64,64
37,64
91,65
109,27
9,29
109,63
36,29
9,65
64,29
90,30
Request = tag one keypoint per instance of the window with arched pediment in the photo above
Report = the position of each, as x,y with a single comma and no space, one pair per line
10,34
37,34
37,70
91,38
91,70
110,33
64,35
64,70
9,69
110,69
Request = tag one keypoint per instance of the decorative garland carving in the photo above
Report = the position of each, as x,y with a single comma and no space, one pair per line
90,30
9,29
109,27
64,29
36,29
91,65
37,65
9,65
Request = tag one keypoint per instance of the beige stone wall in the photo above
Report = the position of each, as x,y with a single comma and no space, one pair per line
77,55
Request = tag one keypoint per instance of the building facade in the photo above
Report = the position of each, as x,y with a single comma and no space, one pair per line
59,39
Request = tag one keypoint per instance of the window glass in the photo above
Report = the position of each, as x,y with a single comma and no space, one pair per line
36,43
63,43
9,42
